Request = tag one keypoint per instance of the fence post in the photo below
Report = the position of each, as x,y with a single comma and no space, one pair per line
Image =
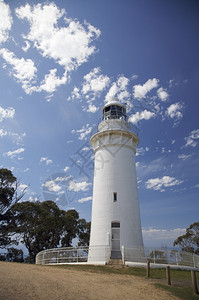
194,282
168,275
77,254
194,263
123,259
148,268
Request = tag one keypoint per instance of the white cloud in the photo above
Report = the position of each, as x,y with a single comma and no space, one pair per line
92,108
50,82
23,70
46,160
33,199
119,89
62,179
16,137
162,94
23,187
51,186
6,21
144,115
83,132
174,111
82,200
70,45
94,82
76,94
14,153
159,184
6,113
78,186
3,132
66,168
26,47
184,156
140,91
141,151
192,139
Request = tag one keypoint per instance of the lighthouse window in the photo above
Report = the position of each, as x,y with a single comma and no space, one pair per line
115,224
114,197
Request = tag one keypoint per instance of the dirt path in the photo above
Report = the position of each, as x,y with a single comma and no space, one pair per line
26,282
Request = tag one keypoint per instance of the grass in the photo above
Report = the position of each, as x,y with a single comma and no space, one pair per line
180,279
185,293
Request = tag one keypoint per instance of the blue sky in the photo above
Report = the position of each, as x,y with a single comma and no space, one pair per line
62,61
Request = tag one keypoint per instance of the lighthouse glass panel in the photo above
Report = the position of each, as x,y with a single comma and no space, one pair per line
114,112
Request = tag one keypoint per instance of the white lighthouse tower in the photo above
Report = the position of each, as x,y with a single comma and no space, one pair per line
115,209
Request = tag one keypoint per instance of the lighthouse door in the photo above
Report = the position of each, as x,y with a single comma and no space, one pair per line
115,240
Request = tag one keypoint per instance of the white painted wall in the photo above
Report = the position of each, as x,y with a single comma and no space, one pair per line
115,171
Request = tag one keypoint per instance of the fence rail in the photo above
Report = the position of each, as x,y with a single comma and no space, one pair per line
136,254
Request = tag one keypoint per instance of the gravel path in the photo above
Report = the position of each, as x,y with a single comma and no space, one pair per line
26,282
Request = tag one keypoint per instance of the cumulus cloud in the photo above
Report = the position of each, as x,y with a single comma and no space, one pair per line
6,21
14,153
140,91
6,113
16,137
23,187
50,82
94,83
92,108
141,151
162,94
144,115
23,70
192,139
3,132
26,47
66,168
78,186
159,184
51,186
68,45
118,89
83,132
184,156
174,111
46,160
86,199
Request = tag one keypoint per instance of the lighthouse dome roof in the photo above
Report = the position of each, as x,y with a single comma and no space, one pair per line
113,101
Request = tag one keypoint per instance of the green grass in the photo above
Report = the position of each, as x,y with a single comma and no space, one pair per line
180,279
185,293
154,273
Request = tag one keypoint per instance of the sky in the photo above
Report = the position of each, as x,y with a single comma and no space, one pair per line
62,61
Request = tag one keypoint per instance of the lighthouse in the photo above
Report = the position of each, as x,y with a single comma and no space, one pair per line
115,221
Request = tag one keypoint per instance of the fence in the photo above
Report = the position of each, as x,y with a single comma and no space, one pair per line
136,254
160,256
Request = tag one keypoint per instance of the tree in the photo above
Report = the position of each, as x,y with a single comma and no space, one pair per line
190,240
15,255
43,225
83,232
8,196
